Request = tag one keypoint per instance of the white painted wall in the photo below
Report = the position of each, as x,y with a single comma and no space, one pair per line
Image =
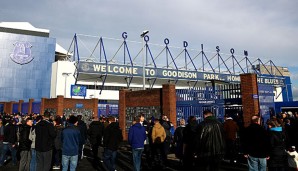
58,80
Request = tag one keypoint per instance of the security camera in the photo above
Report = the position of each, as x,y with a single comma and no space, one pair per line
144,33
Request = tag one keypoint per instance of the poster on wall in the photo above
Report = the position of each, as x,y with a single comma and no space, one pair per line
78,90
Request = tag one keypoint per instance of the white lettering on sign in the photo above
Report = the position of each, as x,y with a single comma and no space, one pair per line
260,80
150,72
211,77
233,78
271,81
179,74
115,69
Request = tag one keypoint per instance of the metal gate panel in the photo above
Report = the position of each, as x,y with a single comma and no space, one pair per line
25,107
15,108
36,107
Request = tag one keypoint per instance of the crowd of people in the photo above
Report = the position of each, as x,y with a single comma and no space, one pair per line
202,146
43,142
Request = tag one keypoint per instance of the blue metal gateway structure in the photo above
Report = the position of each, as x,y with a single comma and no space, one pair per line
204,79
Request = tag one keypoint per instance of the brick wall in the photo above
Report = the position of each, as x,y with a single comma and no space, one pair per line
249,89
58,103
165,98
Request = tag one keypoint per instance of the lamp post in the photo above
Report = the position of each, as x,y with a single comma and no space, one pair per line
65,75
143,55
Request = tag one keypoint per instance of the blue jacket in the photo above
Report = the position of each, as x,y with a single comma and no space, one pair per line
71,138
137,136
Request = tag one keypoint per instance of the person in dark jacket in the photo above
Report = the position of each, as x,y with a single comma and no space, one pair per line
278,156
9,142
166,124
25,145
231,129
111,140
255,144
83,130
178,139
210,142
57,143
44,143
189,135
95,133
71,139
136,138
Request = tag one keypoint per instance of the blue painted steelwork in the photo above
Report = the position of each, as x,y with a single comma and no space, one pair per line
204,56
219,58
234,59
175,74
286,106
149,79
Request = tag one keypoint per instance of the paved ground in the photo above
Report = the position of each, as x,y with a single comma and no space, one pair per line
124,163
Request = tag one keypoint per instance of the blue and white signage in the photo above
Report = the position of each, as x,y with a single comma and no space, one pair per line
173,74
22,53
78,90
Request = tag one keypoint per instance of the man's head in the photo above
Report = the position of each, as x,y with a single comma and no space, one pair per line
142,117
255,119
79,117
29,121
137,119
165,118
73,120
47,115
111,119
207,113
182,122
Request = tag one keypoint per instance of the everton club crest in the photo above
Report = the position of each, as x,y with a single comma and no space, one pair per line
22,53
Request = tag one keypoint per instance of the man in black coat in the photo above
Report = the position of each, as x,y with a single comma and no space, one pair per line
83,130
25,145
44,143
95,133
9,142
210,142
111,140
256,145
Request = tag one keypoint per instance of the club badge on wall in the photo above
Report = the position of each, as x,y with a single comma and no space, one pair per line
22,53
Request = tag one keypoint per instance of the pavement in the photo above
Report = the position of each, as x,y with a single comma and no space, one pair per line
124,163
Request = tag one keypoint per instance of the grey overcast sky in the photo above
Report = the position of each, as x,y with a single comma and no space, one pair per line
267,29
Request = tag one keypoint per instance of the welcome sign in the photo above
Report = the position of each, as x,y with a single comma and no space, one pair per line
166,73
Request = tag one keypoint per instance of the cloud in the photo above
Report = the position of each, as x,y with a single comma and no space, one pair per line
267,29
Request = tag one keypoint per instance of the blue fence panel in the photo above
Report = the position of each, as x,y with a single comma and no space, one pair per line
15,108
107,109
1,108
36,107
193,101
25,107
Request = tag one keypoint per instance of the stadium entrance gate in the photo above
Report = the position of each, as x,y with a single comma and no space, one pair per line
221,99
